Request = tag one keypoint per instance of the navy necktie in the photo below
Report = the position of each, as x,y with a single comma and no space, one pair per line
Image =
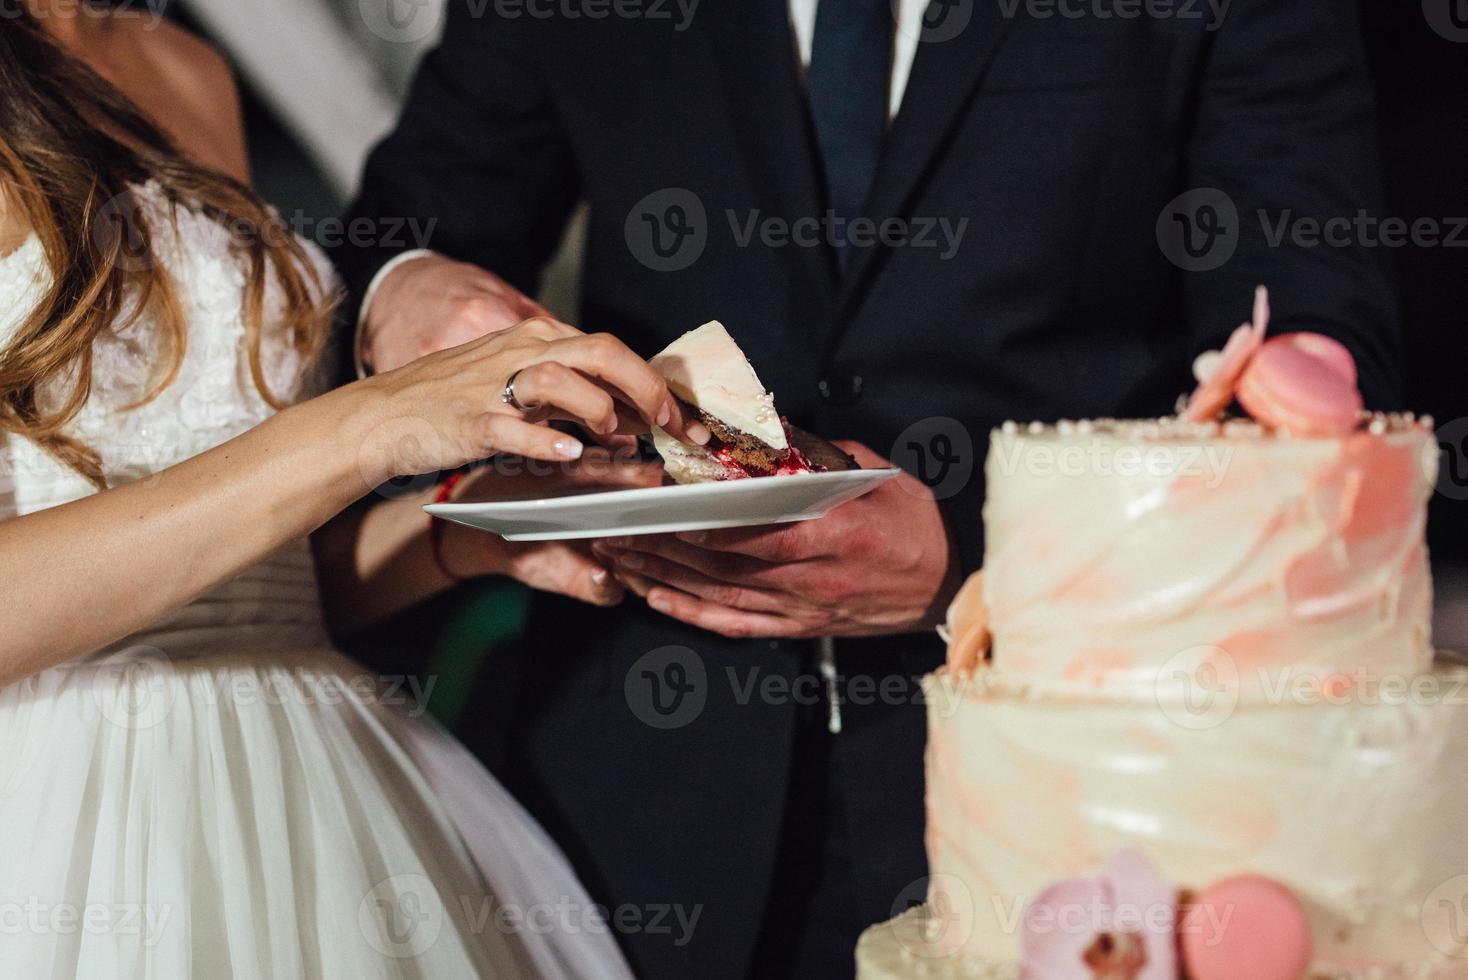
848,81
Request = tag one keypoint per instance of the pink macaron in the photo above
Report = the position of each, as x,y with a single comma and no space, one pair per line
1246,927
1303,383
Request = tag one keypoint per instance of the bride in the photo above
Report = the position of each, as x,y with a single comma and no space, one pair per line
192,783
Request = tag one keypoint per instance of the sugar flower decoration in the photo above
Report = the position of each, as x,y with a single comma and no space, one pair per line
1218,372
966,630
1119,925
1302,383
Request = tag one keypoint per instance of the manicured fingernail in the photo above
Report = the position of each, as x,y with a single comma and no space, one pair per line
632,561
660,604
698,432
694,537
665,414
569,448
599,578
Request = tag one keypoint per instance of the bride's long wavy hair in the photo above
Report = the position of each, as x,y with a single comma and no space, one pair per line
72,149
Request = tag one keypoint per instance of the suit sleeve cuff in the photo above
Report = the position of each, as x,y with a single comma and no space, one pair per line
387,269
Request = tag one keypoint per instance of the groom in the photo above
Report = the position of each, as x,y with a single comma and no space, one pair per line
918,223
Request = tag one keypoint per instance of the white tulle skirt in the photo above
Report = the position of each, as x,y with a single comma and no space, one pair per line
264,817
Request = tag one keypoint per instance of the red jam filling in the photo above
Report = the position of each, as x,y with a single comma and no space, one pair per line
794,461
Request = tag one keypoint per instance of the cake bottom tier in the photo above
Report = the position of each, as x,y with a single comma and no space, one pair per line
912,946
1354,795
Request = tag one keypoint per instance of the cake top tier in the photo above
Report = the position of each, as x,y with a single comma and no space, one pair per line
1173,429
1121,551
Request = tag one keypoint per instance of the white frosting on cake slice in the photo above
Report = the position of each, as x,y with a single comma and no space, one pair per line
705,368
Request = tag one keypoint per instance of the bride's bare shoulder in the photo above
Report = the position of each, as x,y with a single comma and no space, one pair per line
183,52
199,100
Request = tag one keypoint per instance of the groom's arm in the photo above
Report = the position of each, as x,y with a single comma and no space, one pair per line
478,170
1286,128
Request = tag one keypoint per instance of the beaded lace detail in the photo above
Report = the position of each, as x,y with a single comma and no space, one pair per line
214,397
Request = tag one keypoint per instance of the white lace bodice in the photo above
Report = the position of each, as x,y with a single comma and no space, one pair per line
212,400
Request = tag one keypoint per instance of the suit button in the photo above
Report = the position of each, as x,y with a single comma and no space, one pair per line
841,389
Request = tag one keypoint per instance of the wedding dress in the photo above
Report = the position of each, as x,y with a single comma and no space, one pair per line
221,795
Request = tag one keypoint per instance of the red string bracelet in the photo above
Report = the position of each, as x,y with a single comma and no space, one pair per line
436,526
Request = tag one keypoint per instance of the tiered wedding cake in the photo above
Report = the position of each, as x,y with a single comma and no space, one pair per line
1210,740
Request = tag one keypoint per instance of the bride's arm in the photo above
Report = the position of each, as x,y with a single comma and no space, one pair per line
377,558
82,575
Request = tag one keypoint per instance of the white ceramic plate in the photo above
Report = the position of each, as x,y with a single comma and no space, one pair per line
660,510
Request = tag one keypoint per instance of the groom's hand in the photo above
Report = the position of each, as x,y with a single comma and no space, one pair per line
433,303
884,563
565,567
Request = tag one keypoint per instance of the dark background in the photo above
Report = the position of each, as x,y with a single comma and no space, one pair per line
1422,87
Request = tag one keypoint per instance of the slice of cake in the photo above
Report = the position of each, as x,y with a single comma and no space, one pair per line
708,372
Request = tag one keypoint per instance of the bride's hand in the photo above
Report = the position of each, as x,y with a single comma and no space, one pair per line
447,409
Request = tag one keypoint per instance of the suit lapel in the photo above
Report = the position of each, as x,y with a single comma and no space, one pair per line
755,54
945,75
